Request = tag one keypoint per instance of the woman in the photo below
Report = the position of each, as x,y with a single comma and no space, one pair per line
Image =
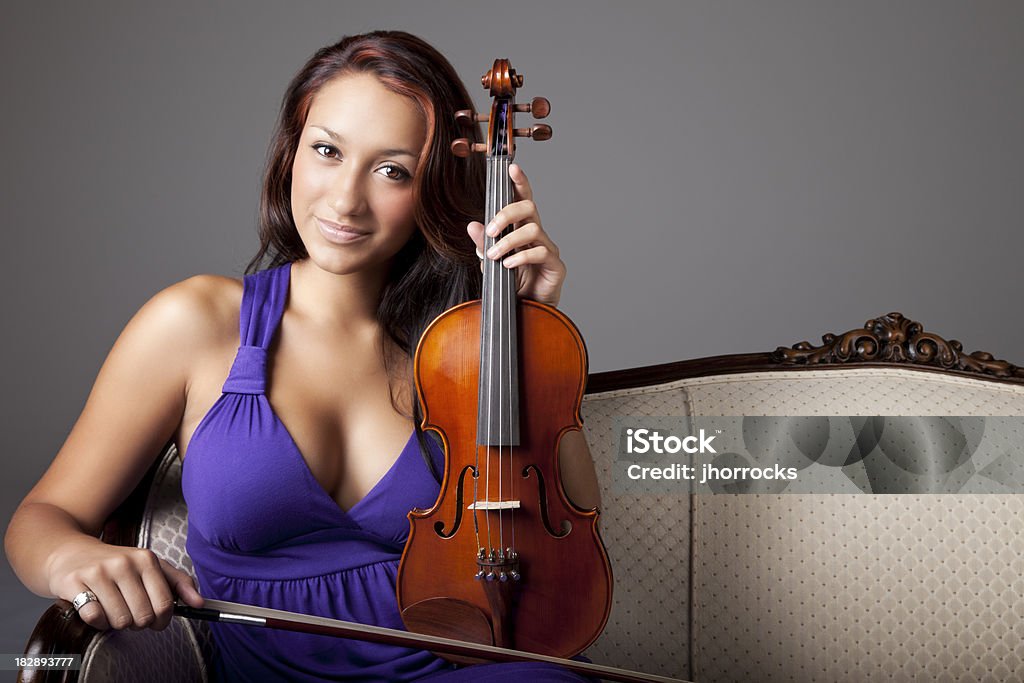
362,214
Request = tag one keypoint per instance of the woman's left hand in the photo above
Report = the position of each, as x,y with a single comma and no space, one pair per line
540,271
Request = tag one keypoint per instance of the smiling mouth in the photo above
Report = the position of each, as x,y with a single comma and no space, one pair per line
339,234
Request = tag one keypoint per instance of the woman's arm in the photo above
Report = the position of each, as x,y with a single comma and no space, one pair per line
135,405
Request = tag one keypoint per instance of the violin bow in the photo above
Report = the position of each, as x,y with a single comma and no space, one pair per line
237,613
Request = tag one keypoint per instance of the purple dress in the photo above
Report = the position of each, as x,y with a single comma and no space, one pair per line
262,531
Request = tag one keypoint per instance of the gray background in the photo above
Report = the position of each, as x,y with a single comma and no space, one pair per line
724,177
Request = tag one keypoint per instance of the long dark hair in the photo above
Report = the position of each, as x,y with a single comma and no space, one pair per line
437,268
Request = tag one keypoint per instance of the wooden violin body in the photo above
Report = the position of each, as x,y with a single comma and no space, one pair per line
503,557
561,599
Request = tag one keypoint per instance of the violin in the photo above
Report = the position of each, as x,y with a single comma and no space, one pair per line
503,567
503,557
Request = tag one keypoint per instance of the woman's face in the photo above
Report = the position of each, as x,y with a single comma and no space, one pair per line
352,187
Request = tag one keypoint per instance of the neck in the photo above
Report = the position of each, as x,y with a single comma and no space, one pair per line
340,303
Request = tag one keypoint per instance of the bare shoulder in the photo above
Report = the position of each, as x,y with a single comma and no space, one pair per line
199,312
182,329
139,397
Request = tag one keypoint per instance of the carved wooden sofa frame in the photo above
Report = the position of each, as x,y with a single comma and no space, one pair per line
715,588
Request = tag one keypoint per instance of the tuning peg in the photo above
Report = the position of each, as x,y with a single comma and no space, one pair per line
467,117
538,106
539,132
462,147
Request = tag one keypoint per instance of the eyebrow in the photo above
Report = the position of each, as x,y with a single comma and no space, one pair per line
394,151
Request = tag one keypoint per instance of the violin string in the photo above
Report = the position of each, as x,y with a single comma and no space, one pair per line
490,346
501,344
510,310
476,473
499,282
502,182
505,331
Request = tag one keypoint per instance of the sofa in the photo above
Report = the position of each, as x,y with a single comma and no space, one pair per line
923,582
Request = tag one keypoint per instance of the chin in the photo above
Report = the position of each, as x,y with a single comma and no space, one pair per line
344,262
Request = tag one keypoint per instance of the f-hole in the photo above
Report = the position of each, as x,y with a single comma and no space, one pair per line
543,498
439,526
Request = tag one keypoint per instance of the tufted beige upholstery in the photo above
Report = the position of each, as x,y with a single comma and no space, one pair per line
750,587
648,542
813,587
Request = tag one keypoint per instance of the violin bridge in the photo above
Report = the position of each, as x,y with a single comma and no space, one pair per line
494,505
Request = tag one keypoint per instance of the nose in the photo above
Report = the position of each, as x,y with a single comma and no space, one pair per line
348,192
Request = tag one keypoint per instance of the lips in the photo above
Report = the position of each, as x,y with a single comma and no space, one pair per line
339,233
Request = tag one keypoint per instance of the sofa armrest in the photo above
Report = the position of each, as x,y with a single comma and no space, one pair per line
153,516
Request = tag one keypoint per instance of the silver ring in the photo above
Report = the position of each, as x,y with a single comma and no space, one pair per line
83,599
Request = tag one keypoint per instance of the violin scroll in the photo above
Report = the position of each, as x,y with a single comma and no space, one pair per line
502,81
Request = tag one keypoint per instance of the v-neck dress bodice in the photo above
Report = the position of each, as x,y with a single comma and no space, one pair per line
263,531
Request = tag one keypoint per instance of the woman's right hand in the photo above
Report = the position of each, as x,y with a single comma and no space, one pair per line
134,588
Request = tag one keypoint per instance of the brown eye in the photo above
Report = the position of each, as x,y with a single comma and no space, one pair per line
393,172
318,146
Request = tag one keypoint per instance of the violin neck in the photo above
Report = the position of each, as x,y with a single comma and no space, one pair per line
498,405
